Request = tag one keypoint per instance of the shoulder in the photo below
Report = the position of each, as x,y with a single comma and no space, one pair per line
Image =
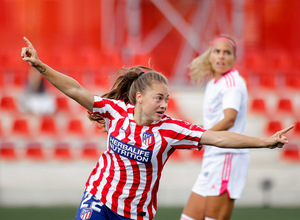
118,105
175,124
233,79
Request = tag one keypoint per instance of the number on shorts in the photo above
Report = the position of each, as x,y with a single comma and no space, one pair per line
94,205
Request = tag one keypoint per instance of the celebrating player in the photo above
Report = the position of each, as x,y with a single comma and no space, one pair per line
125,180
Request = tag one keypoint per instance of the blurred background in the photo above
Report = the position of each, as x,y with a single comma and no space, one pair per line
48,147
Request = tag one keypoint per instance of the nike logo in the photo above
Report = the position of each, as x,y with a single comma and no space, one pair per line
124,130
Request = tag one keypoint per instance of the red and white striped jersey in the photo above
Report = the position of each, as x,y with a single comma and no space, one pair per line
126,177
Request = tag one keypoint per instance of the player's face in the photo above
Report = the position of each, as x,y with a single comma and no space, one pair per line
154,102
222,57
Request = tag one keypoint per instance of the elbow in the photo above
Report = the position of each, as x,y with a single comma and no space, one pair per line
230,124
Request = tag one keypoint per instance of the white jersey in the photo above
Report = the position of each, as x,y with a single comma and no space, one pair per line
126,177
229,91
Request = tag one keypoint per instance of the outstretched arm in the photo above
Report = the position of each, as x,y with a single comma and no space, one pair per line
64,83
226,139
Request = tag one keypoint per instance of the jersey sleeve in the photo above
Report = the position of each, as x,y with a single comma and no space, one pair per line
232,98
107,108
184,135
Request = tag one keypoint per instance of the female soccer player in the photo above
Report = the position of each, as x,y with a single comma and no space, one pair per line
124,182
224,171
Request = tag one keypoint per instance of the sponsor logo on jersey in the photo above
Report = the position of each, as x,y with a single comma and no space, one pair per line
147,138
130,151
86,213
123,129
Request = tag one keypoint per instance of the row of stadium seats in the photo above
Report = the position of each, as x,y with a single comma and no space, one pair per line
71,125
48,127
63,151
283,106
16,78
9,104
35,150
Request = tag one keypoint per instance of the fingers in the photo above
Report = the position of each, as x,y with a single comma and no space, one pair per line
28,42
24,52
277,145
286,129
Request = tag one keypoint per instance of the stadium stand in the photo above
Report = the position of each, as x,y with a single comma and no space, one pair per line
285,106
296,130
8,104
21,128
62,105
90,151
290,152
1,130
62,151
273,126
7,151
48,127
35,151
258,106
75,127
292,81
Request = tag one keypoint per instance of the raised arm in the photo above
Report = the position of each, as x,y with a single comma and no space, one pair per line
64,83
226,139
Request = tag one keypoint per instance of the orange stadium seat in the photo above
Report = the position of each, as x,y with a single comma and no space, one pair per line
19,77
34,151
290,152
285,106
292,81
90,151
21,128
48,127
258,106
296,130
62,151
62,105
1,79
273,126
267,81
75,128
8,104
1,130
7,151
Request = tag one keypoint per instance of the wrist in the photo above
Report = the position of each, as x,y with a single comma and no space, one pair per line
40,67
264,143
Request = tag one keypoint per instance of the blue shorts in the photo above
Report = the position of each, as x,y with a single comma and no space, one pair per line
93,209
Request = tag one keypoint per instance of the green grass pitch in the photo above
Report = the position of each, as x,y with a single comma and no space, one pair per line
164,213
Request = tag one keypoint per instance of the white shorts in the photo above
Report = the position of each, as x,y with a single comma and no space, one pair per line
222,172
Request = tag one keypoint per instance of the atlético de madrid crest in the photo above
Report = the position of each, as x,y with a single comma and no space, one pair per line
147,138
86,213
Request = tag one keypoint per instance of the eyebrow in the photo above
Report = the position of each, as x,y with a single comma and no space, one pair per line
160,94
218,50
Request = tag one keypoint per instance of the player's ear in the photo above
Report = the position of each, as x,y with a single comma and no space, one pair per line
139,98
